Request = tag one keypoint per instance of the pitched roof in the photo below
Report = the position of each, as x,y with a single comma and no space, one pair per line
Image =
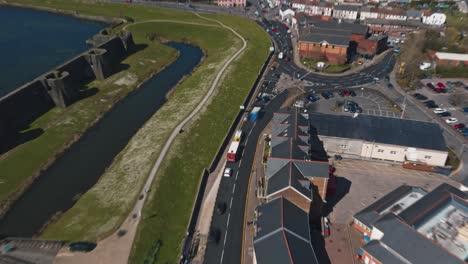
282,228
384,130
372,213
378,251
347,7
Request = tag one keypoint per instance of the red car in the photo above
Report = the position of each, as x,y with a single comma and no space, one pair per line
459,126
346,93
275,30
441,85
437,90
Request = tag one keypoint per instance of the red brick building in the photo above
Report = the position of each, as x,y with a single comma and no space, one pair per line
449,59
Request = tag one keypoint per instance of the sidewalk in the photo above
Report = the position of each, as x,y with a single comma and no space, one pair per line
252,201
365,65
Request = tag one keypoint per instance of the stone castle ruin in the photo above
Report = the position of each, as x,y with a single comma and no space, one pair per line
63,85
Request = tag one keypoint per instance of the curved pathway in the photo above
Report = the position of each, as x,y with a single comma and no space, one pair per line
115,249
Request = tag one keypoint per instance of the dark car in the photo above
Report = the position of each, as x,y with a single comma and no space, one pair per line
214,235
430,85
327,95
221,208
82,246
444,114
390,86
352,93
313,97
419,96
465,110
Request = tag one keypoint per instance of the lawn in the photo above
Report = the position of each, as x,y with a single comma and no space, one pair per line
168,208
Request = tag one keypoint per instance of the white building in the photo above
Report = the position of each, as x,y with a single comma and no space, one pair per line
392,14
435,19
348,12
286,13
369,13
381,138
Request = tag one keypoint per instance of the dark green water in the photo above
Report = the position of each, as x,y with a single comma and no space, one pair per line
32,43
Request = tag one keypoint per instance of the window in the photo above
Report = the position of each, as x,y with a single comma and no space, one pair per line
392,152
313,45
326,45
380,150
333,46
343,146
427,157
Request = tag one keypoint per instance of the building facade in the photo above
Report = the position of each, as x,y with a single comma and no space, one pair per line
348,12
434,19
232,3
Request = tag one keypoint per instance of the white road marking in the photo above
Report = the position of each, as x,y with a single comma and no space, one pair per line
229,217
234,188
222,255
230,204
237,173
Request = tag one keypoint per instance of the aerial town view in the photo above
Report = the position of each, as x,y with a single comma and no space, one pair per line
234,131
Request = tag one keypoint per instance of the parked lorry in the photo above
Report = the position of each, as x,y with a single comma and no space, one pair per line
232,152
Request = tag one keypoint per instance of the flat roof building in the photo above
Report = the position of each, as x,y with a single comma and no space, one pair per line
410,225
373,137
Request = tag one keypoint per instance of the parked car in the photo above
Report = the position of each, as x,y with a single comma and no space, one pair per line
82,246
431,104
451,120
327,95
459,126
464,131
444,114
465,110
439,110
313,97
227,172
352,93
441,85
430,85
419,96
214,235
390,86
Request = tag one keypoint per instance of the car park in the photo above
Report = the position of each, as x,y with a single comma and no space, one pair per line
419,96
439,110
451,120
227,172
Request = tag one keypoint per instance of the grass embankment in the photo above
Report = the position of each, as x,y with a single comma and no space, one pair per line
168,208
62,126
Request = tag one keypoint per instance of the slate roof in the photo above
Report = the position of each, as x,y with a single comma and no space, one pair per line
393,131
414,13
418,212
316,31
372,213
405,243
282,228
346,7
378,251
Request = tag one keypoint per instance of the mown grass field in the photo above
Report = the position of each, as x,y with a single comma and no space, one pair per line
168,208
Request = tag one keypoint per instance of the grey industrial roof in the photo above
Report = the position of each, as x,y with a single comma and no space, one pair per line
383,130
412,23
419,211
405,242
371,213
283,234
335,33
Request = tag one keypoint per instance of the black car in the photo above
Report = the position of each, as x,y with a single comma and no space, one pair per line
327,95
432,106
419,96
221,208
82,246
444,114
390,86
214,235
352,93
